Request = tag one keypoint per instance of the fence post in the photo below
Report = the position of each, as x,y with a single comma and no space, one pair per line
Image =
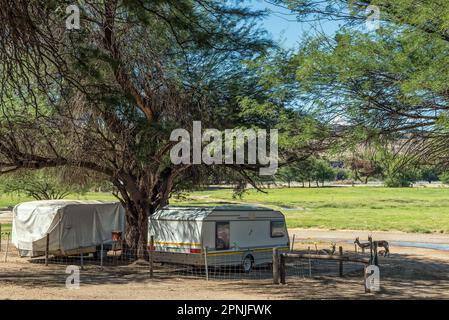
275,266
293,243
340,264
101,254
376,257
364,280
47,246
121,258
82,261
0,237
205,263
7,246
310,264
282,270
151,255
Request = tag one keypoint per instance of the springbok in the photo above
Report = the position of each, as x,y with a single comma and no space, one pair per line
384,244
329,251
362,245
381,244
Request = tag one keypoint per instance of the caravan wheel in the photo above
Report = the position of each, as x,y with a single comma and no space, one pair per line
248,263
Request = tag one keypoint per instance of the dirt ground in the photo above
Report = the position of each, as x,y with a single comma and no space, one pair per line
409,273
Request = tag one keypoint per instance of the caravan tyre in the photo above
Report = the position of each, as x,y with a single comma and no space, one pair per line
248,263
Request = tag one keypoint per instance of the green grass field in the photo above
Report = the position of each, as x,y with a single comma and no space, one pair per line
421,210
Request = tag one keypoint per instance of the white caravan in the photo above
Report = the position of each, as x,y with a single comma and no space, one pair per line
74,226
219,236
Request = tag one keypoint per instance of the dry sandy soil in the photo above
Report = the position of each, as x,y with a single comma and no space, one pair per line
408,273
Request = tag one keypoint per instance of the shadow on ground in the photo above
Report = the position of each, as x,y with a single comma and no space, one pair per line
403,276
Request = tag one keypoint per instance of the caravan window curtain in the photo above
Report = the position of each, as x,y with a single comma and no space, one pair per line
222,235
277,229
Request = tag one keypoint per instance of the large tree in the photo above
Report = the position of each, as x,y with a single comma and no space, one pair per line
106,97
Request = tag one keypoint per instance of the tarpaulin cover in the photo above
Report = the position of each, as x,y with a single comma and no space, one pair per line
71,225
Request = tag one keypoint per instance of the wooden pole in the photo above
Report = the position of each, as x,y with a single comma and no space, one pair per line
364,280
340,263
47,247
121,258
7,246
151,255
310,265
376,260
282,270
0,237
101,254
275,266
293,243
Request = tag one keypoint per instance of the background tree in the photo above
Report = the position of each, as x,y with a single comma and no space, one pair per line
444,177
44,184
322,172
288,174
429,173
341,174
364,169
398,167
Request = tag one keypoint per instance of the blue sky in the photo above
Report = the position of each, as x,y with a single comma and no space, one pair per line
283,26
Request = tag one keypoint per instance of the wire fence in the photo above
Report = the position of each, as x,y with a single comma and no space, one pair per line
315,268
204,266
5,243
310,267
207,265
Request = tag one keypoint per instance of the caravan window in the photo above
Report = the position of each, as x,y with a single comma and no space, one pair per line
277,229
222,235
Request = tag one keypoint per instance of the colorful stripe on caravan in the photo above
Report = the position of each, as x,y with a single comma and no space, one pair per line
184,247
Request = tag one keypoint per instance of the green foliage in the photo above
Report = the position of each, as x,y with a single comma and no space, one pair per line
322,171
444,177
45,184
288,174
307,170
376,76
400,179
399,171
391,82
429,173
342,174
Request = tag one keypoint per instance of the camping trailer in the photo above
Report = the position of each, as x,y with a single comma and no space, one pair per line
74,226
219,236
